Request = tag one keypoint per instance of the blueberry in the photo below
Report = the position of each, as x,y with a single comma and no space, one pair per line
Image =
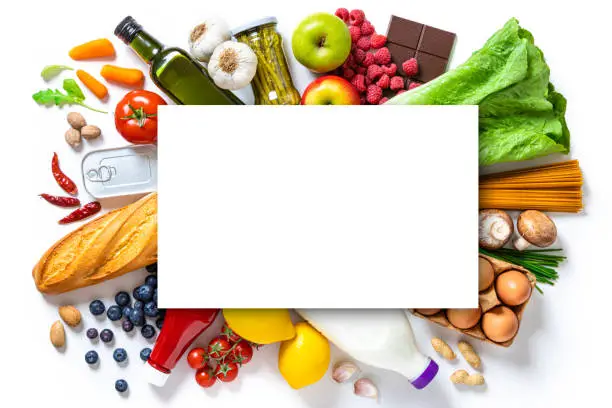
92,333
152,268
97,307
120,355
121,385
106,336
125,312
145,353
151,280
127,325
147,331
91,357
155,295
137,317
122,298
139,304
150,309
159,323
143,292
114,313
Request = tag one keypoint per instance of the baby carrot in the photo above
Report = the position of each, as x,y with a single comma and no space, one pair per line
93,49
92,84
125,76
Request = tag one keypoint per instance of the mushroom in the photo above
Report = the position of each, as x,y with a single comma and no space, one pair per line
535,228
495,228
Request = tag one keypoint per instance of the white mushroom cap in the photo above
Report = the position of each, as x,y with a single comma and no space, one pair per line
535,228
495,228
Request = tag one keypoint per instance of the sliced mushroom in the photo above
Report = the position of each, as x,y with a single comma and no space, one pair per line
535,228
495,228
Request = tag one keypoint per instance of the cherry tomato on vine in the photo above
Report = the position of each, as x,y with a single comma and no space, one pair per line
205,377
136,116
197,358
242,353
229,334
226,372
218,348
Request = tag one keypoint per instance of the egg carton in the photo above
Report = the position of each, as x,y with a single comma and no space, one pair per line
488,300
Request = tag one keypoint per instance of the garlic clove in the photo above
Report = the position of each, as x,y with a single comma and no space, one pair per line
344,371
364,387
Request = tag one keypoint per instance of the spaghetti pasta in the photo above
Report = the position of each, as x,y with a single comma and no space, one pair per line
554,187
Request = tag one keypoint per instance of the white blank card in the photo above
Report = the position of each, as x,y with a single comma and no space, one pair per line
318,207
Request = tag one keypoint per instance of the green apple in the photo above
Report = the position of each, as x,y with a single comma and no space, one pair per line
321,42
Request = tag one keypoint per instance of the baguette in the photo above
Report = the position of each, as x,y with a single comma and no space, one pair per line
118,242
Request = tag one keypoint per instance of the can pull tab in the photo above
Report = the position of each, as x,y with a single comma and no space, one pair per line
102,174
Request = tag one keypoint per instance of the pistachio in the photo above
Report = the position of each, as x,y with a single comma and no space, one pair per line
90,132
57,334
76,120
73,137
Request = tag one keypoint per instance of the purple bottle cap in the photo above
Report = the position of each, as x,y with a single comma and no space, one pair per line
426,376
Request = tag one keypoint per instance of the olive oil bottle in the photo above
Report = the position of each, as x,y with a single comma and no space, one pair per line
172,69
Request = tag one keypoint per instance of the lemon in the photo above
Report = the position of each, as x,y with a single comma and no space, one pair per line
304,359
261,326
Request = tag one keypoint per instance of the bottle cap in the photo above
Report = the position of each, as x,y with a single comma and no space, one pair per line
254,24
127,29
426,376
154,376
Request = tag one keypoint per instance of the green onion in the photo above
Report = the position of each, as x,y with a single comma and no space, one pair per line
540,262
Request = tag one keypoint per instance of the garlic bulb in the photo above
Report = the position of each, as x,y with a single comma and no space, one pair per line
205,37
232,65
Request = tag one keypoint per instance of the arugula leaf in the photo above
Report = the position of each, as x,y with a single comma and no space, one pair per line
73,96
73,89
51,71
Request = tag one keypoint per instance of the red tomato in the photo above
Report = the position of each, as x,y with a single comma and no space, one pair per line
205,377
226,372
242,353
229,334
136,116
218,348
197,358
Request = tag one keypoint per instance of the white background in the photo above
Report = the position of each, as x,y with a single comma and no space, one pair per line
321,206
561,355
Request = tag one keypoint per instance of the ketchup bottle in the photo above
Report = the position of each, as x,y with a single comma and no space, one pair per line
180,329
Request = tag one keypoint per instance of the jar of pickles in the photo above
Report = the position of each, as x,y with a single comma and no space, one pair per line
272,84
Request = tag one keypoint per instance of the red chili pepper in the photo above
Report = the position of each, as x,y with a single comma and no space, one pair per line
62,201
63,180
85,211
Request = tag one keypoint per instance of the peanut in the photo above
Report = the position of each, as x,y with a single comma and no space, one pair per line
442,348
57,334
463,377
469,354
70,315
76,120
90,132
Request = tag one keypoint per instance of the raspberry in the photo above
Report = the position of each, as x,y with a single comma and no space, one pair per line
382,56
343,14
384,82
361,70
368,60
390,70
358,82
413,85
374,72
359,55
367,28
377,40
401,91
362,100
374,94
368,81
410,67
348,73
355,33
397,83
356,17
364,43
382,101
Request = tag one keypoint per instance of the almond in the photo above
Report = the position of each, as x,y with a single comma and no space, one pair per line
70,315
57,334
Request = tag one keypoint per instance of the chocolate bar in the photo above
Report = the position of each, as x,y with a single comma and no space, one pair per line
430,46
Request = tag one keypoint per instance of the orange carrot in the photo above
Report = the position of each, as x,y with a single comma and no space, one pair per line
93,49
125,76
92,84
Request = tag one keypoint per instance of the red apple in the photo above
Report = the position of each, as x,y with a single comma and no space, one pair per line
330,90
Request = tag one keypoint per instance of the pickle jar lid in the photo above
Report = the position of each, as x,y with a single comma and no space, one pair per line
254,24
